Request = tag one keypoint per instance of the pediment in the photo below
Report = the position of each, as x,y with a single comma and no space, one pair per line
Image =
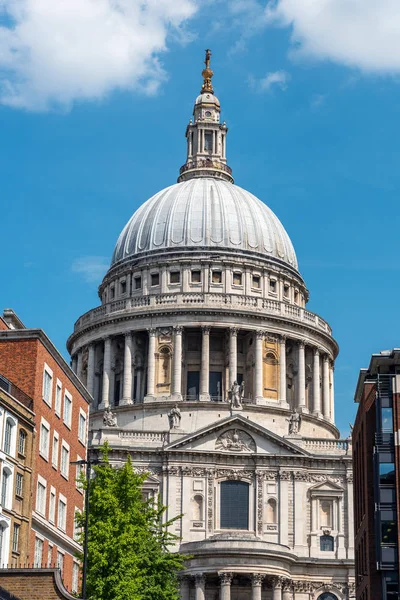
326,487
236,435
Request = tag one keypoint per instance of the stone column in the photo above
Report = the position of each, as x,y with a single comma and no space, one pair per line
259,384
127,390
185,590
287,590
332,399
282,371
205,365
256,584
301,398
79,363
105,401
325,387
200,583
276,588
90,369
225,589
151,364
316,385
177,364
232,355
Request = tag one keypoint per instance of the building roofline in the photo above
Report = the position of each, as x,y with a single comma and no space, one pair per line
385,357
39,334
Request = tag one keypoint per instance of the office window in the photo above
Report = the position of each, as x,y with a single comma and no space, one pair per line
82,428
388,532
62,514
38,553
54,452
15,538
47,385
237,279
41,498
234,505
44,439
21,442
65,461
196,276
138,283
326,543
386,473
57,407
19,485
67,409
387,420
217,277
77,528
256,282
8,432
52,505
155,279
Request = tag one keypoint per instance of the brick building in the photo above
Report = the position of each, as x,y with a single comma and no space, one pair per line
376,464
60,405
25,584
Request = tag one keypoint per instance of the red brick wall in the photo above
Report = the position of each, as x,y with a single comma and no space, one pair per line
32,584
18,359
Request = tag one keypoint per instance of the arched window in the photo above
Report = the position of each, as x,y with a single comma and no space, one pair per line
3,544
271,511
326,543
327,596
198,508
21,442
8,435
234,505
5,482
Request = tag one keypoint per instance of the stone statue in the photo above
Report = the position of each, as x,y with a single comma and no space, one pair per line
174,417
235,440
294,422
109,418
241,391
235,393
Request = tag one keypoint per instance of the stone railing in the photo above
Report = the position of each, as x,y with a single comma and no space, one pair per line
142,436
324,446
211,299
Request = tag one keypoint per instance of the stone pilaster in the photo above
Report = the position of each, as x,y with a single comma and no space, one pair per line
106,374
282,371
259,387
205,365
90,369
316,385
232,355
127,389
151,366
325,388
177,364
301,398
225,585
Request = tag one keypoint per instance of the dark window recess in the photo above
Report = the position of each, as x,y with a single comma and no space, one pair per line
123,287
217,276
388,532
272,286
234,505
193,342
256,281
216,343
175,277
112,292
327,596
138,283
237,279
326,543
208,142
196,276
387,495
286,290
215,385
155,279
193,385
386,474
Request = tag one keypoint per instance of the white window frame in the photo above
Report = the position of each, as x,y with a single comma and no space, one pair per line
65,446
79,470
5,524
19,477
10,485
49,555
62,514
49,371
75,577
76,528
83,415
58,399
13,434
15,537
39,542
52,505
54,454
41,509
43,451
67,395
60,559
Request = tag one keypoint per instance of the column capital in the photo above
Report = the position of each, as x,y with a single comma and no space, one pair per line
178,330
199,579
287,585
302,344
151,331
233,331
317,350
206,329
277,583
326,358
225,578
283,338
128,334
260,334
256,579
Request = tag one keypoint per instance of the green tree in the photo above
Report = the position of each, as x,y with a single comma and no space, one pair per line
128,545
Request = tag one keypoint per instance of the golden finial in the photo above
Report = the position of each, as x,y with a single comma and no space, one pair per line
207,75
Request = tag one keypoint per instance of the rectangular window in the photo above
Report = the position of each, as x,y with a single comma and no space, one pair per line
175,277
234,508
217,276
112,293
5,486
67,409
41,498
82,428
49,556
54,452
64,461
272,286
388,532
7,436
256,282
387,420
77,529
57,407
196,276
155,279
52,505
79,471
15,539
237,279
208,142
138,283
21,442
47,385
62,514
60,561
44,439
123,287
386,474
75,578
286,291
38,553
19,485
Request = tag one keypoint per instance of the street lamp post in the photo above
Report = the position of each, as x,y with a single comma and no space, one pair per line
88,464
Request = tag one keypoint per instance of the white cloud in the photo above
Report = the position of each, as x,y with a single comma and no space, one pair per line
363,34
92,268
318,100
55,52
274,79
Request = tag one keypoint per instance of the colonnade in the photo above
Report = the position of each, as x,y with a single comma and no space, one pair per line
319,381
281,587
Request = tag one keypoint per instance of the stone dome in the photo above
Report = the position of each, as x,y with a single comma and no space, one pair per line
205,213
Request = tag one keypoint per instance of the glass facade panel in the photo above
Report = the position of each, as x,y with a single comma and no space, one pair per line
234,505
389,532
386,473
387,419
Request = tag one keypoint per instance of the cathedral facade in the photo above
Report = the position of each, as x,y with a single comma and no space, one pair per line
206,366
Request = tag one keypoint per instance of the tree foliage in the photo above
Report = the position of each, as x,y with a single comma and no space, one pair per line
128,545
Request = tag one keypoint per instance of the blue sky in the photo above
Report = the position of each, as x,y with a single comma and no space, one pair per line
94,100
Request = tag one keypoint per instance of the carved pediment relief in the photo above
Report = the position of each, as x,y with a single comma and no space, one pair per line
235,440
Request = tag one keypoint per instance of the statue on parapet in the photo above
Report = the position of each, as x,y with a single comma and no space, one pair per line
109,418
174,417
294,422
236,395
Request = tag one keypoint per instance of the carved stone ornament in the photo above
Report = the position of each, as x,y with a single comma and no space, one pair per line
270,475
210,494
277,583
257,579
109,418
234,474
235,440
285,475
259,504
200,579
301,476
303,586
225,578
287,585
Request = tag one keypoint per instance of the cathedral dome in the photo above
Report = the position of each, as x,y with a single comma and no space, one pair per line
205,213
